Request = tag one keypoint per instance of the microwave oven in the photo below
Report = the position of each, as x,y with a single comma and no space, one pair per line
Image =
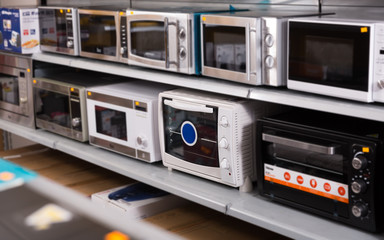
16,95
210,135
337,57
103,33
20,30
123,118
324,163
166,39
60,101
247,46
59,30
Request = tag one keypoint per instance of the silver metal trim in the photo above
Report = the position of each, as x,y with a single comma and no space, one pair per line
299,144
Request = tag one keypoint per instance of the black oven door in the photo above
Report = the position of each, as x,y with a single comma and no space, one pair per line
305,170
333,55
190,132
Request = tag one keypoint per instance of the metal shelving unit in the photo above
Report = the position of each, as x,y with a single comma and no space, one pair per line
249,207
246,206
372,111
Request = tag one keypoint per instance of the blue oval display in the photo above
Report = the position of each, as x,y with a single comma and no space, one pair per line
188,133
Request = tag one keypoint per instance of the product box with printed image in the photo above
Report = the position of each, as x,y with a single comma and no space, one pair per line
20,30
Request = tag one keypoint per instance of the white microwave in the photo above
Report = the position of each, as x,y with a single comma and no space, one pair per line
210,136
337,57
123,118
247,46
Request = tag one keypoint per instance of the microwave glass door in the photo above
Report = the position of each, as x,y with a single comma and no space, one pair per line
111,122
330,54
53,107
53,27
224,47
147,39
13,93
191,135
98,34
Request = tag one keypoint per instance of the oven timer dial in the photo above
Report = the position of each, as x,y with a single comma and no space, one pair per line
224,121
224,164
359,210
358,186
142,141
223,143
359,161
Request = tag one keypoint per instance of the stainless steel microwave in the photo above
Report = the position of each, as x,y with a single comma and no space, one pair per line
337,57
103,34
16,97
60,101
166,39
247,46
59,30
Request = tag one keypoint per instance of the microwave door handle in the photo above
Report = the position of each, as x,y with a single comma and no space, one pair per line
166,38
188,107
300,144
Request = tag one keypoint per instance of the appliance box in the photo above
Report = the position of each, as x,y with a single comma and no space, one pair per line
20,33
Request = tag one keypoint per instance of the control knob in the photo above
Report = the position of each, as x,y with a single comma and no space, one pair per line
223,143
224,164
269,61
123,50
358,186
76,122
23,100
359,210
142,141
359,162
269,41
70,44
381,83
224,121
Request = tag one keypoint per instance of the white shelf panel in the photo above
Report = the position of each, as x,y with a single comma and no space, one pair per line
372,111
246,206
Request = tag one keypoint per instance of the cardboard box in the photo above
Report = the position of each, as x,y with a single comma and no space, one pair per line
20,30
136,209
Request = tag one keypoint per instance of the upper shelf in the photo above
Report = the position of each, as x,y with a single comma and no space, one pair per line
249,207
372,111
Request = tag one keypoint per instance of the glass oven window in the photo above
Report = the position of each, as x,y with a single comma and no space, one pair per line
9,89
111,122
327,54
98,34
205,150
224,47
53,107
147,39
53,28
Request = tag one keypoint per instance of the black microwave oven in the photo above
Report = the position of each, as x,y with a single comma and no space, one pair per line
323,163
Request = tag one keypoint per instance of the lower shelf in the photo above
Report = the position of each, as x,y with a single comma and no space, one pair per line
245,206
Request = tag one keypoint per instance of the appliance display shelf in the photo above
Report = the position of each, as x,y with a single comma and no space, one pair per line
372,111
245,206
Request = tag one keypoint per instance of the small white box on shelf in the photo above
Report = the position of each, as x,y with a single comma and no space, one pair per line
137,200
